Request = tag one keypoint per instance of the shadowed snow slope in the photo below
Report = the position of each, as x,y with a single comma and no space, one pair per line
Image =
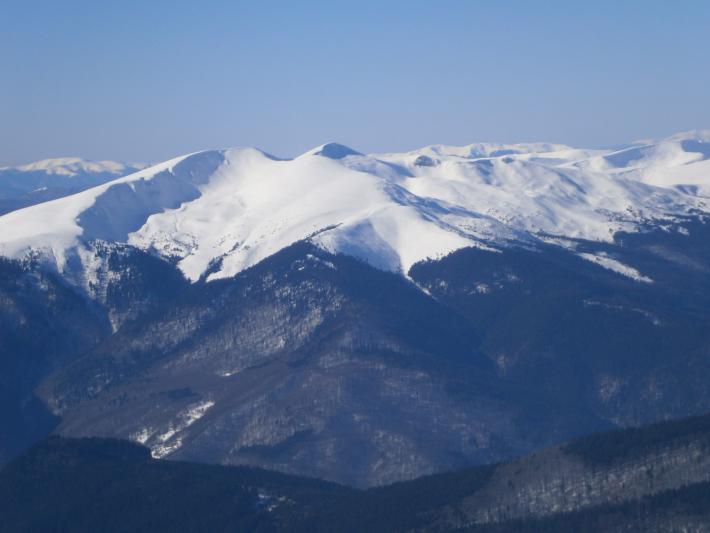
218,213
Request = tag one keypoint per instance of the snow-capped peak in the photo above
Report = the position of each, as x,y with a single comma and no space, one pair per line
219,212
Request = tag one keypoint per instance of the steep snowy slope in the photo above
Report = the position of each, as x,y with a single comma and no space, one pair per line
48,179
220,212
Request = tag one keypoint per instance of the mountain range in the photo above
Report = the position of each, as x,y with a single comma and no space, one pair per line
363,319
216,213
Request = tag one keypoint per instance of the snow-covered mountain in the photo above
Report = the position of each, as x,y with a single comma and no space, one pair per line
48,179
574,296
220,212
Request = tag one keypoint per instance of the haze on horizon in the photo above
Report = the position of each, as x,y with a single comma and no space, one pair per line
138,81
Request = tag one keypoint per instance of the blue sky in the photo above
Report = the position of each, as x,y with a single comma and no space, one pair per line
145,81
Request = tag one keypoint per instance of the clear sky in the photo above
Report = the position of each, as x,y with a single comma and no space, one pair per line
148,80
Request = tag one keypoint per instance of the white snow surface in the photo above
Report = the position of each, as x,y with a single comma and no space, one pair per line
220,212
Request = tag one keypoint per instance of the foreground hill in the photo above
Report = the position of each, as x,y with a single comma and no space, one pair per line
655,478
104,485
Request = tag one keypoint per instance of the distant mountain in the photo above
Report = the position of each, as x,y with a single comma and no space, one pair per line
363,319
49,179
653,479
